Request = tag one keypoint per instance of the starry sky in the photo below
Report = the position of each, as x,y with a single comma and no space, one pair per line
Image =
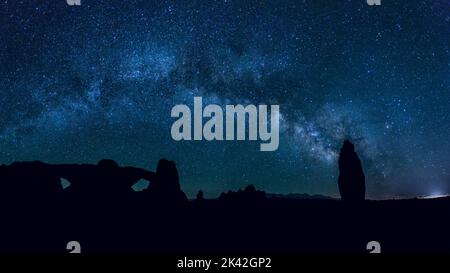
79,84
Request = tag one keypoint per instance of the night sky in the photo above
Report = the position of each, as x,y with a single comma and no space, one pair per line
79,84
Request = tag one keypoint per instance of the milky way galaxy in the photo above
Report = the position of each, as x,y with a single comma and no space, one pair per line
82,83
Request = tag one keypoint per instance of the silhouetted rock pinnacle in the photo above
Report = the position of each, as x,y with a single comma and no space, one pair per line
351,179
200,196
166,185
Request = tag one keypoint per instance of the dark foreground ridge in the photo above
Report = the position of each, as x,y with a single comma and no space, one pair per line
103,213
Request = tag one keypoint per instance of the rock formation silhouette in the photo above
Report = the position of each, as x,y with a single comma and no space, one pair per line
30,180
99,209
351,179
248,195
165,185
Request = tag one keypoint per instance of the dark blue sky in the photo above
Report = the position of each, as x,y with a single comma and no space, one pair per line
79,84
